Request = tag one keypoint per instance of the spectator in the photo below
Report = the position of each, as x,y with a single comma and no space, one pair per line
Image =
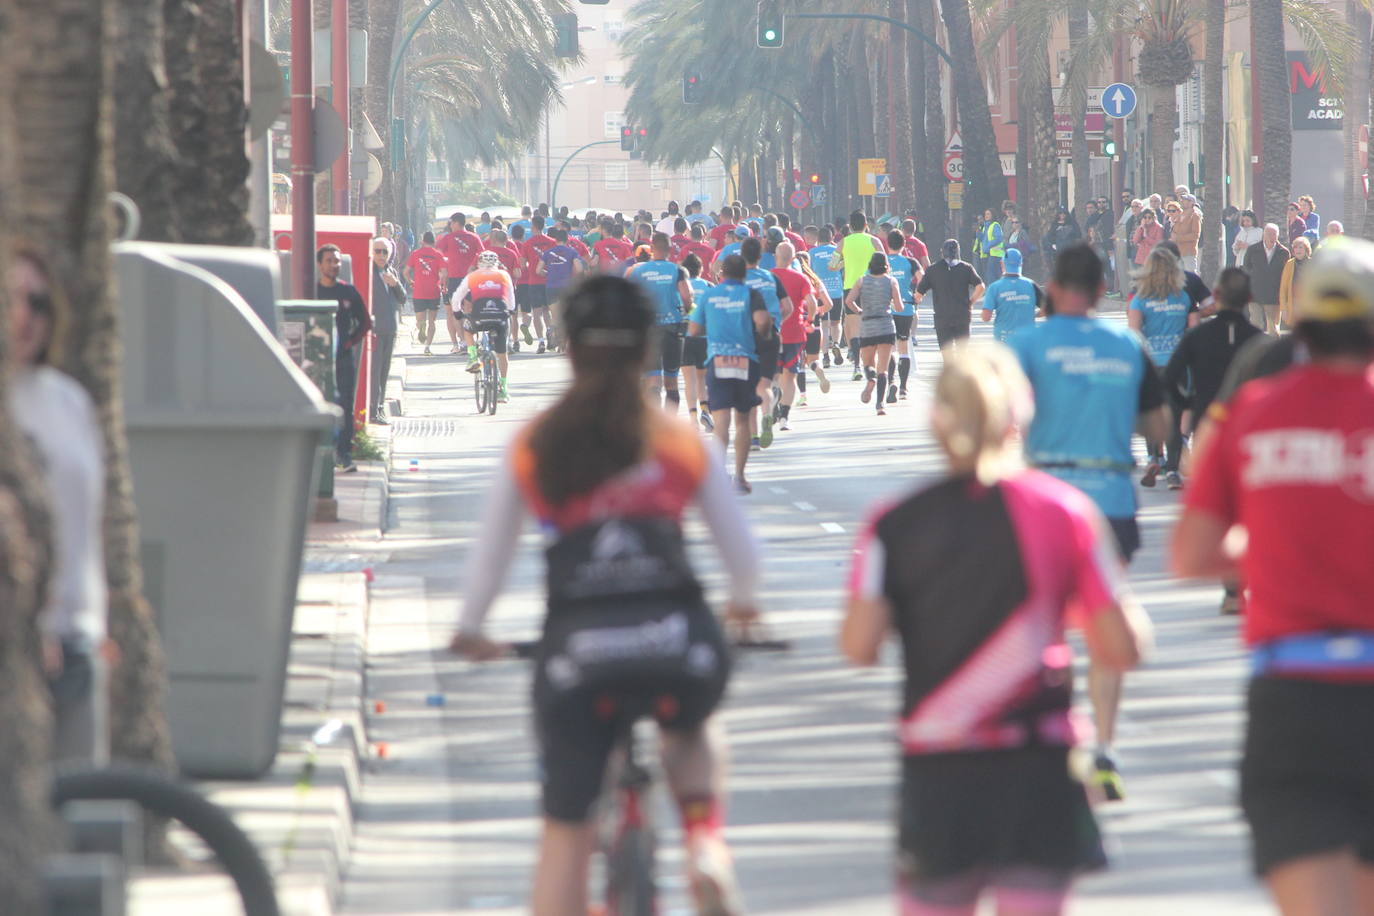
1172,211
1247,234
1307,209
1264,263
351,324
1333,229
1020,239
1125,246
388,295
1148,234
1062,234
1288,283
57,416
1296,224
1230,227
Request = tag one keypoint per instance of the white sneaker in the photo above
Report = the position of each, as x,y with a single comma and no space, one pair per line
784,424
711,878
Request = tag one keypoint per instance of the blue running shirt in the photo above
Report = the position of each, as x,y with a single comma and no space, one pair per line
660,279
732,248
833,280
1165,322
899,269
723,312
1087,375
770,287
1012,301
699,288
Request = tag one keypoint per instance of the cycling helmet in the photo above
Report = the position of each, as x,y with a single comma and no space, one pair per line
488,260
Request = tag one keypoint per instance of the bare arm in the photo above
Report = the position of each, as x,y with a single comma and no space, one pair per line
1135,318
977,293
1205,546
864,628
1120,635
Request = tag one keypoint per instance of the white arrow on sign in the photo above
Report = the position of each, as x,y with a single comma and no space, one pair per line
1118,100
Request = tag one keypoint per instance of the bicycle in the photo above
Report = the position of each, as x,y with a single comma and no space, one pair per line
163,798
486,381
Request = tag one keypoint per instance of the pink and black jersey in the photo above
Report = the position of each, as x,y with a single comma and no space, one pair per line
981,582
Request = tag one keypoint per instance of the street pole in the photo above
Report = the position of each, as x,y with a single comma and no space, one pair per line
1256,135
338,65
553,191
302,150
1118,162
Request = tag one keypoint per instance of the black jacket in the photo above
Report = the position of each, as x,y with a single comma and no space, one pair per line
1206,351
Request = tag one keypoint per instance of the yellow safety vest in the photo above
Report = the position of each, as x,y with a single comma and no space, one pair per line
996,250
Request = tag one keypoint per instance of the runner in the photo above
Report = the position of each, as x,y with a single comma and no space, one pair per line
1162,311
598,448
1014,300
814,338
769,345
1094,382
988,803
669,288
487,295
536,291
874,298
724,230
907,274
679,240
460,246
785,224
697,245
795,330
956,286
424,270
732,317
694,349
913,247
741,233
1288,460
823,254
613,251
856,251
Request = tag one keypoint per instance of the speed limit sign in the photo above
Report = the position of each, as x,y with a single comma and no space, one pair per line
954,166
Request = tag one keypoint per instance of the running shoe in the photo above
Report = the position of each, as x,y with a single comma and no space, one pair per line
825,363
783,424
1151,474
821,379
902,394
891,394
503,396
1230,601
515,346
1107,778
711,877
835,355
1174,480
881,412
867,394
542,347
754,444
706,422
857,376
428,352
743,486
456,349
474,365
766,434
801,400
525,330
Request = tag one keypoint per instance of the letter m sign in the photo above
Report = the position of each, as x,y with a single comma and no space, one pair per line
1299,74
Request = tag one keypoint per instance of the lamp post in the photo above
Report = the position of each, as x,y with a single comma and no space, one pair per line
339,78
548,132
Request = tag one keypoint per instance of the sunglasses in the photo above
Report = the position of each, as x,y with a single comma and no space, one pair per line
380,251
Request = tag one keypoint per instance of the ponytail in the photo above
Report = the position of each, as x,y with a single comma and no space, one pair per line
981,398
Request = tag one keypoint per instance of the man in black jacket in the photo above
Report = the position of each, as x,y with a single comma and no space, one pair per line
351,324
956,286
1264,262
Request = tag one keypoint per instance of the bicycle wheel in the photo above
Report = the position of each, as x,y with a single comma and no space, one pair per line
630,885
159,796
493,383
479,389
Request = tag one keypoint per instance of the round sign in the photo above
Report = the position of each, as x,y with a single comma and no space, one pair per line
954,166
800,199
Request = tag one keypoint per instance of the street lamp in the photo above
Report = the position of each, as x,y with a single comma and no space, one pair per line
548,131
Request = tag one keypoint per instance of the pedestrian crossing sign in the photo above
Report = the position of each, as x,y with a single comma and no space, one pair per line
883,183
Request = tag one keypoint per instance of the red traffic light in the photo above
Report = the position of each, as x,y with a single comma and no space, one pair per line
692,80
626,131
644,132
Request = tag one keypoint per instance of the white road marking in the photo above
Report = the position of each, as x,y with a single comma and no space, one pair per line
833,527
805,507
778,490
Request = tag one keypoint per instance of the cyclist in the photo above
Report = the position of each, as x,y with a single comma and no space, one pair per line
1288,461
1093,382
487,298
609,480
670,289
988,802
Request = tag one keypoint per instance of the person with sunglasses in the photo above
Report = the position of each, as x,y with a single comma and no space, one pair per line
388,295
1148,234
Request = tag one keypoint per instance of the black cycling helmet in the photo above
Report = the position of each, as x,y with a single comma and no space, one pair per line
608,311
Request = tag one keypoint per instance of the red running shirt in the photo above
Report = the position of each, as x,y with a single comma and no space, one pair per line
425,263
1293,461
508,256
533,253
723,234
611,253
795,327
915,249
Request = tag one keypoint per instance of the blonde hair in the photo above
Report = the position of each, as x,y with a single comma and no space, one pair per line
981,398
1160,276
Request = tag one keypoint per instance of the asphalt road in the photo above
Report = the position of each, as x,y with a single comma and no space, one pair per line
448,818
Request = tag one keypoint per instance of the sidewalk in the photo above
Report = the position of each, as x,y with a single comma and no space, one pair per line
300,814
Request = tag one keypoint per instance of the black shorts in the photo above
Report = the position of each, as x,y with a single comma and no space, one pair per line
790,360
948,333
1127,532
737,394
531,296
994,809
878,340
694,352
836,308
813,343
581,706
768,350
426,305
904,323
497,325
1307,777
451,286
666,358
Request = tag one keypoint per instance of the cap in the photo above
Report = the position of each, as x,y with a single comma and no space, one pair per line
1011,261
1339,283
742,232
487,260
775,234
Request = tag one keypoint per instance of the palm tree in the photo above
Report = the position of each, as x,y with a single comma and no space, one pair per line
931,170
899,84
985,186
144,152
1356,96
1212,146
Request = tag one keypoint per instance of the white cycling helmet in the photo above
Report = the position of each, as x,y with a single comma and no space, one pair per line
487,260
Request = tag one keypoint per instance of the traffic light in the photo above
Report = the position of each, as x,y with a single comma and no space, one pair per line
641,138
1109,142
770,24
814,178
627,137
565,35
691,87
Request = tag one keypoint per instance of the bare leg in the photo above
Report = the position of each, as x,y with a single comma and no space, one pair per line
1328,884
452,323
695,761
721,420
742,435
1104,689
541,323
560,878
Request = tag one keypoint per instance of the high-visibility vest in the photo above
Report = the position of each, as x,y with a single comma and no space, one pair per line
992,248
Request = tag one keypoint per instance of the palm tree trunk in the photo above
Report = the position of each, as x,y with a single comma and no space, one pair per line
923,195
1213,124
865,118
383,16
931,170
144,152
1356,115
1078,112
899,84
984,184
65,165
1164,115
1270,69
1041,195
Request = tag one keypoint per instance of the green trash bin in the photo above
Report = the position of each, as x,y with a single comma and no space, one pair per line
224,433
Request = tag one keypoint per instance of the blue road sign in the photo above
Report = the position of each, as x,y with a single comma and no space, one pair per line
1118,100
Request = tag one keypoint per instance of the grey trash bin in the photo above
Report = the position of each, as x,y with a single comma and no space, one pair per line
254,273
223,431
